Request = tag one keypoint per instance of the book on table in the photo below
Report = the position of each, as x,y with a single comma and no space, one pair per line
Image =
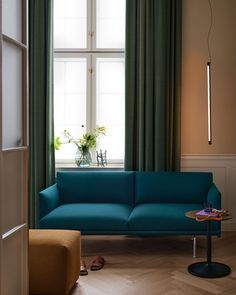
203,213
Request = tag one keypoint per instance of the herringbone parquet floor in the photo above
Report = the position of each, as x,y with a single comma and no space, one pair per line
154,266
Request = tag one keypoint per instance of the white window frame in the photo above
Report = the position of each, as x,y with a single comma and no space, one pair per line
90,53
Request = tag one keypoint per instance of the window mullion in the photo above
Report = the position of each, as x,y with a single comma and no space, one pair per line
89,94
93,92
93,25
90,30
91,101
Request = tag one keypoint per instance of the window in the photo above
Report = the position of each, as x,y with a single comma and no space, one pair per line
89,72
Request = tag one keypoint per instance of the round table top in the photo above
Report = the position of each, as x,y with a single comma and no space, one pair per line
192,214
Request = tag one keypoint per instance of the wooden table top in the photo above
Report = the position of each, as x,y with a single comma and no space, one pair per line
192,214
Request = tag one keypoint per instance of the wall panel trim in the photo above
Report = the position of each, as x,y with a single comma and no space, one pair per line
223,167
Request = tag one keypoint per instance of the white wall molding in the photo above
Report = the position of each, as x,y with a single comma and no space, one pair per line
223,168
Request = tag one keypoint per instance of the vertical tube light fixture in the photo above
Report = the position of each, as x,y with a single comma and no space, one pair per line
209,101
209,129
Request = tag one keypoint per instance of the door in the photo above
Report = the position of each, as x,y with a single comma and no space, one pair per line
13,148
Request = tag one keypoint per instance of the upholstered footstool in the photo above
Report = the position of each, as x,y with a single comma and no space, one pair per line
54,261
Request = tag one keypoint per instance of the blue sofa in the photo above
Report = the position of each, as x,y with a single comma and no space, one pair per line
128,203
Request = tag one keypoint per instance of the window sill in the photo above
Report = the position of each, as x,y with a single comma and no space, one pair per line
92,167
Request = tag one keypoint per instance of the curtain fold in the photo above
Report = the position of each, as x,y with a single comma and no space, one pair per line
153,80
42,158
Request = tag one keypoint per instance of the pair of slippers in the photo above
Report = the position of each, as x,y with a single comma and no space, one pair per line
97,264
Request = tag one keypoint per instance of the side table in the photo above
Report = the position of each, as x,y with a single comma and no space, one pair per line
208,269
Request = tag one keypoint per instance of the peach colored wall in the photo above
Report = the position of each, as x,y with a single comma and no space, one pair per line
196,21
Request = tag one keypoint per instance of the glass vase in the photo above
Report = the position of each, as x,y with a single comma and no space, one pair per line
83,157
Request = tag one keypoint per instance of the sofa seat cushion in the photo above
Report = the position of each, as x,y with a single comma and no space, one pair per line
164,217
88,217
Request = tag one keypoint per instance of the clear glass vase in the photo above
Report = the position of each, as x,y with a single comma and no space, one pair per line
83,157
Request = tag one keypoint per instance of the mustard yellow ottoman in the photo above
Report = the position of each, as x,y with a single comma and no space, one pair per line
54,261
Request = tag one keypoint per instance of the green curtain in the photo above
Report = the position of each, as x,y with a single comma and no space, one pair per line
41,158
153,80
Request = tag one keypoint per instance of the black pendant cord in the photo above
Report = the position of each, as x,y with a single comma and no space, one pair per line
209,31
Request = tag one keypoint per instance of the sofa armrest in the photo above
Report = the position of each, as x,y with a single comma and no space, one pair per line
214,197
48,200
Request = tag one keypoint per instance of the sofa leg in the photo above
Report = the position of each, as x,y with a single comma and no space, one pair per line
194,245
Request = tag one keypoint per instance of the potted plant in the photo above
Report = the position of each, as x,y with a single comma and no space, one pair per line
84,144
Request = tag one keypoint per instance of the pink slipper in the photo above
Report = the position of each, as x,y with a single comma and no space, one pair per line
97,263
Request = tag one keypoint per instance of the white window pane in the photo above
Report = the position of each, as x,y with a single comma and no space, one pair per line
110,105
111,34
70,91
60,39
75,76
108,102
111,8
113,142
59,108
59,8
76,33
70,33
59,76
110,75
70,8
74,109
110,23
76,8
70,24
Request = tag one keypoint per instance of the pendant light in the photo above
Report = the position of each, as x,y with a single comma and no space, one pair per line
209,122
209,101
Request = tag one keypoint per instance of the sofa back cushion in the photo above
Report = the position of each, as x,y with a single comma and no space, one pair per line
96,187
172,187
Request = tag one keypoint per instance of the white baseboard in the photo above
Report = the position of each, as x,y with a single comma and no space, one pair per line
223,168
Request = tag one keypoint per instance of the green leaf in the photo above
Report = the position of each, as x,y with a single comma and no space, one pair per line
57,143
87,141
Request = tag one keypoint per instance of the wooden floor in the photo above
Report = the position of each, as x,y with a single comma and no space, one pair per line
153,266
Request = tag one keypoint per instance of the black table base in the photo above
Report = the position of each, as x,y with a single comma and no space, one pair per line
209,270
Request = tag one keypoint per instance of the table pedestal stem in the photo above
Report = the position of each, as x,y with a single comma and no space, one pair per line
208,241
